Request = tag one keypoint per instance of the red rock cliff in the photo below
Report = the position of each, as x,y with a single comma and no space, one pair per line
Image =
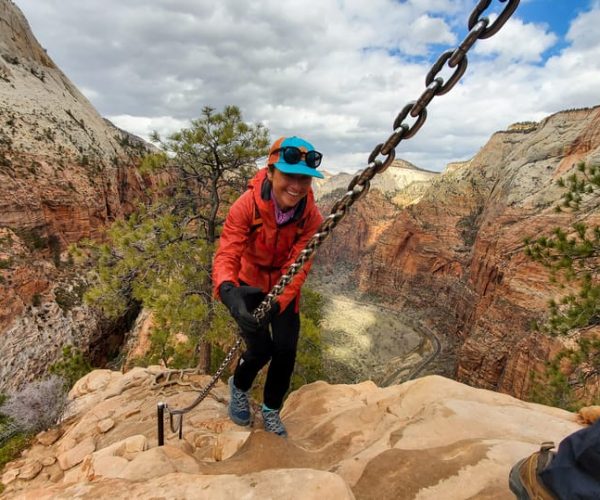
65,172
456,257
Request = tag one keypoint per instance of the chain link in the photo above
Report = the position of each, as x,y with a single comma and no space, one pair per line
439,65
456,59
480,8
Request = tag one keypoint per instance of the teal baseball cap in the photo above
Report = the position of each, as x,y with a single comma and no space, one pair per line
294,155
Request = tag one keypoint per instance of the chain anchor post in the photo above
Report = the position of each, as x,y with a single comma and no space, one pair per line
160,411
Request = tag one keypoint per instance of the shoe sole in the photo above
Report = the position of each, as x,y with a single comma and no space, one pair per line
514,481
237,421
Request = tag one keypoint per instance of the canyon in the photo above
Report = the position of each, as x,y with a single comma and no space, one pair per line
444,250
455,260
442,253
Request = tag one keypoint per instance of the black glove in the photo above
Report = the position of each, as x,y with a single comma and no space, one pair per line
274,311
234,297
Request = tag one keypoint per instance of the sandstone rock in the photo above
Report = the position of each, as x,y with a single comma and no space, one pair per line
47,461
97,386
56,475
301,485
76,454
9,476
228,443
94,381
159,461
66,444
127,448
73,476
105,466
429,438
105,425
31,469
48,437
133,446
590,414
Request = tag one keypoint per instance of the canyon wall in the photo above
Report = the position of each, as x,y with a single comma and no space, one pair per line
455,259
65,173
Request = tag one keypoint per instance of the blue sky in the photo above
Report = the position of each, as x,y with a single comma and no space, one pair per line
557,14
334,71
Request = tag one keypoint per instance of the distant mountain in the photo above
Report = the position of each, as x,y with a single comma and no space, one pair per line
400,175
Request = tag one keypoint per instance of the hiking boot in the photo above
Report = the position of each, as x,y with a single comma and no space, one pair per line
272,422
525,481
239,405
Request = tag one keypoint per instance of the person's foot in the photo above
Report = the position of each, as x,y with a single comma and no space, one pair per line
524,479
272,422
239,405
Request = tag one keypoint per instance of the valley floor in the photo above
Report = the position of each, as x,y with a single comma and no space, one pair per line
364,340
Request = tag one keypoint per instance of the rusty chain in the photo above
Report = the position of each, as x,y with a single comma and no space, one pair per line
479,28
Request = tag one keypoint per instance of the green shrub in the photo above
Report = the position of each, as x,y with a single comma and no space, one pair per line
571,256
71,366
11,450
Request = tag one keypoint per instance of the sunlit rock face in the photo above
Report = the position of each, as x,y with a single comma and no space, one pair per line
65,173
455,257
429,438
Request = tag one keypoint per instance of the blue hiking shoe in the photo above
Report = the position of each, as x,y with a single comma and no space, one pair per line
272,422
239,405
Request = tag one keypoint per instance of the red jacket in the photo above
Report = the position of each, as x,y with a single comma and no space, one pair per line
253,249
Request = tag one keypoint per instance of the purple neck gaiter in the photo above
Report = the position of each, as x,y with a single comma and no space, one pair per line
281,217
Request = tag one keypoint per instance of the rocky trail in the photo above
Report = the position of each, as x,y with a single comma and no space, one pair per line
429,438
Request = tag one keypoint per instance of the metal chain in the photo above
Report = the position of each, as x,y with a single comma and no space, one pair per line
479,28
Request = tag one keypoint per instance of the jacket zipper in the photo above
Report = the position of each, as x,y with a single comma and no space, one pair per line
274,253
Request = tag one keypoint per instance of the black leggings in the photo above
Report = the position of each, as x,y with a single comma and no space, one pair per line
279,346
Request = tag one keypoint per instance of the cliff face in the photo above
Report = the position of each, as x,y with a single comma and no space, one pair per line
401,185
65,172
456,257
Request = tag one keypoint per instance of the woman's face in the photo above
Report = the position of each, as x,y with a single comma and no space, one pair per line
288,189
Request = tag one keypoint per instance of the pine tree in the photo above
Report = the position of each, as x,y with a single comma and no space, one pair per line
573,259
161,256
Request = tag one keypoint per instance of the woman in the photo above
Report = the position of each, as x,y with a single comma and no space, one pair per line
264,232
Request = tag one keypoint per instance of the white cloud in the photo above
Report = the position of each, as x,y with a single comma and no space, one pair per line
518,42
584,34
335,71
143,126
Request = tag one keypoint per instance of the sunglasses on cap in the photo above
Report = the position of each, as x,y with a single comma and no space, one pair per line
293,155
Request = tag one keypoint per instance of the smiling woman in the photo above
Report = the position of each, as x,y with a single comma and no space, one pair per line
292,164
288,189
265,230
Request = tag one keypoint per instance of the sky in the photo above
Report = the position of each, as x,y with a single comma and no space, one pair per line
335,72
